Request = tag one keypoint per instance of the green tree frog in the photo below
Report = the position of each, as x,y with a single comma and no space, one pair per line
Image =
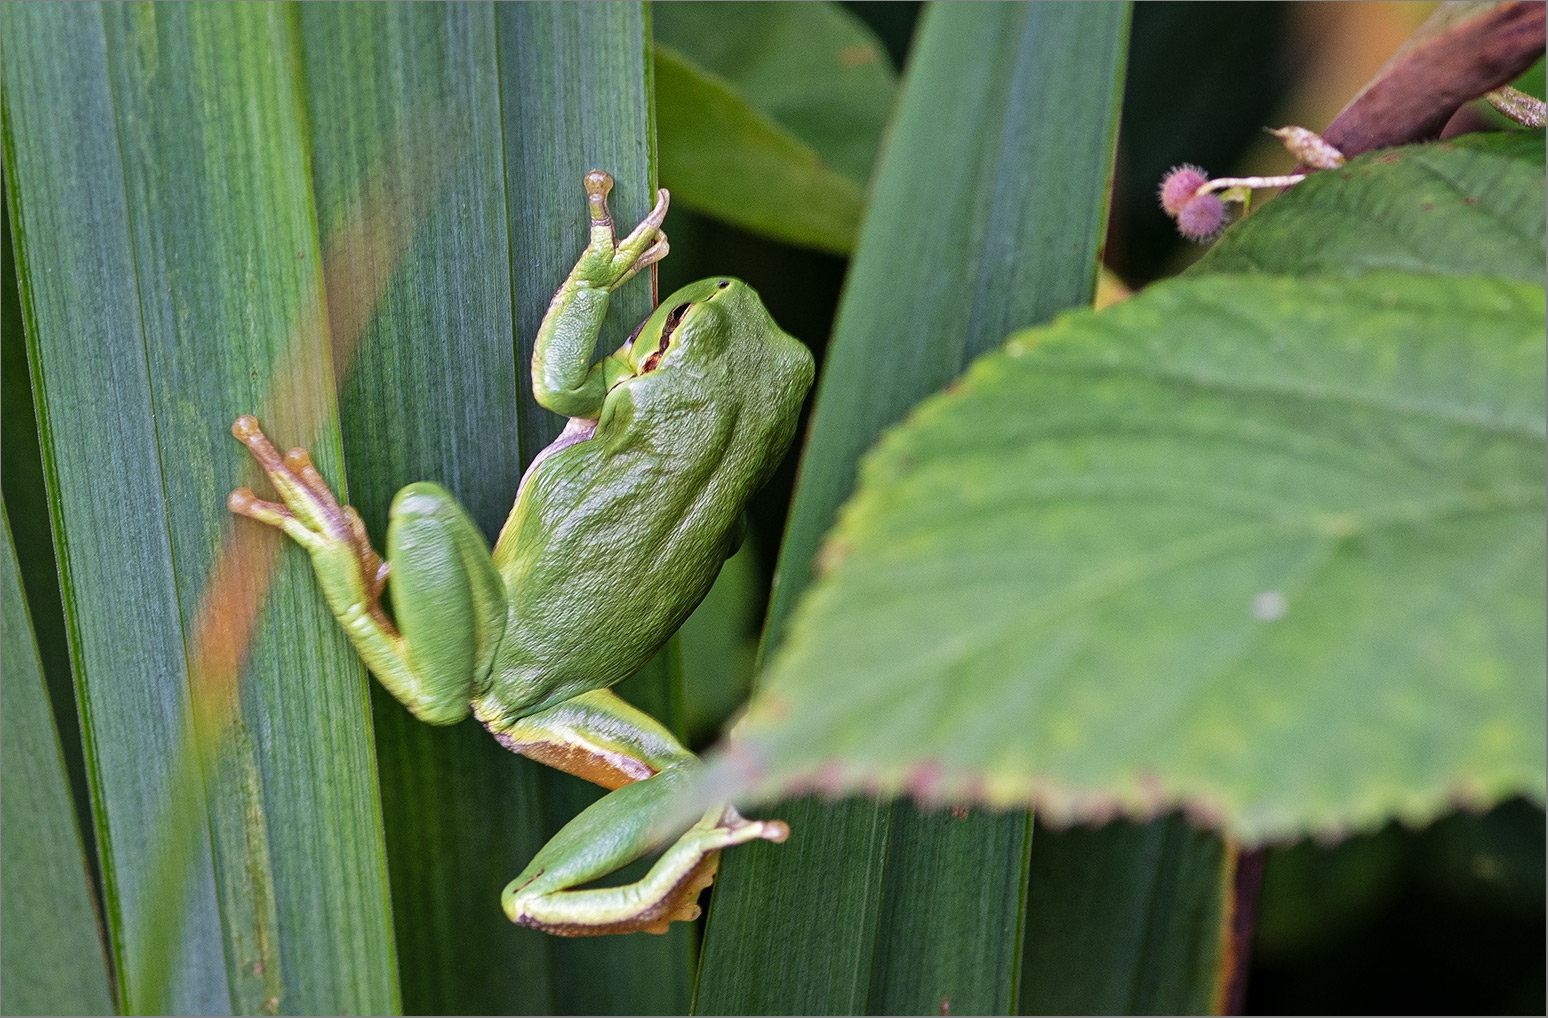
618,529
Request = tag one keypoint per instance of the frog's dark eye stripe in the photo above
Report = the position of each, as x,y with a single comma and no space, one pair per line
673,317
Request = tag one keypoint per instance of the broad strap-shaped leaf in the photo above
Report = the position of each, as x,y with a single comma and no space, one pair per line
770,115
167,248
1267,548
51,959
70,221
724,158
811,66
986,215
408,173
1115,916
1473,206
21,468
574,98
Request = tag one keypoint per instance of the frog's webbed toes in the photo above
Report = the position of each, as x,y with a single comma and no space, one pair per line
645,245
681,903
306,496
657,214
243,502
308,511
744,830
658,250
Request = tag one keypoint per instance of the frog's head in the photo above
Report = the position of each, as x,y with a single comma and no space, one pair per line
694,324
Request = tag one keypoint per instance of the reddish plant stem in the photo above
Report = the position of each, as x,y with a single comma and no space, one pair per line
1246,885
1415,98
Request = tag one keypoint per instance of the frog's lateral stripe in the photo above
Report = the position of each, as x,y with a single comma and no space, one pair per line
599,766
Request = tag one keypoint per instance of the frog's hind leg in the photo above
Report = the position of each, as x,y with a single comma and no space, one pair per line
613,833
448,599
600,737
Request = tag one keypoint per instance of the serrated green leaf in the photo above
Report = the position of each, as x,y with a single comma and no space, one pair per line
51,960
1469,207
987,214
169,270
1265,547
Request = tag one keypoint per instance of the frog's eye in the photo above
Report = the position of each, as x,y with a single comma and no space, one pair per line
673,317
723,284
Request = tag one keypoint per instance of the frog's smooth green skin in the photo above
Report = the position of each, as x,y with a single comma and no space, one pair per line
619,528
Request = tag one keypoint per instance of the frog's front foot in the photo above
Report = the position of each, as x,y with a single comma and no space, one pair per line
668,893
310,512
608,263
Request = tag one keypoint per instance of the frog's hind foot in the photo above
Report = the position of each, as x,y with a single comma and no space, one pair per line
669,893
309,512
681,904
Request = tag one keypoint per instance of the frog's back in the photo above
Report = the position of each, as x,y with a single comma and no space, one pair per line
616,539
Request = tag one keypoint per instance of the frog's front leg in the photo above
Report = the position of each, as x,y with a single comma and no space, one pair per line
563,378
448,599
599,737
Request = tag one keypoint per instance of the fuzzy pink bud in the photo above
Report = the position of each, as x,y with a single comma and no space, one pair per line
1201,218
1179,185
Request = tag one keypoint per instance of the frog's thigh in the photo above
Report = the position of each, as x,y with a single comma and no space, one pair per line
449,602
597,736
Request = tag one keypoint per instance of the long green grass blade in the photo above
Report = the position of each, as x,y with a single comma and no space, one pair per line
728,160
75,264
51,960
770,114
987,215
574,87
169,265
21,467
1127,919
811,66
408,172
